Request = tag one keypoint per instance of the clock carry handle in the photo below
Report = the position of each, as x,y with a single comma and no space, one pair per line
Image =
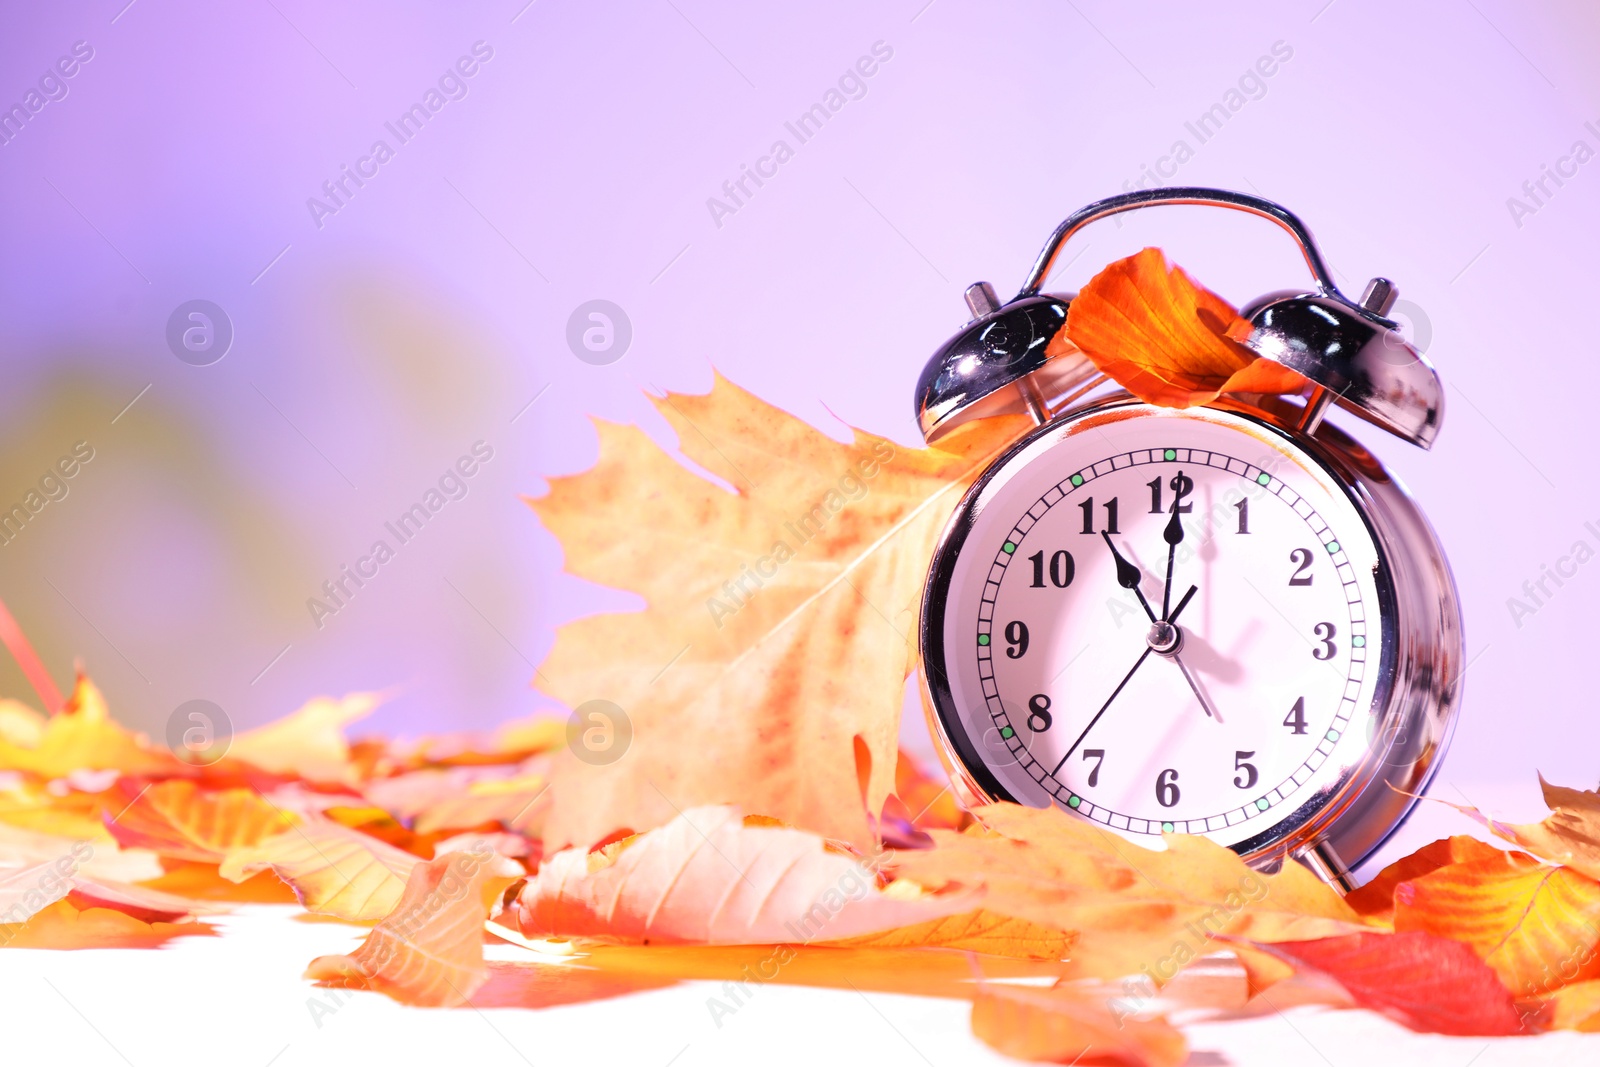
1115,205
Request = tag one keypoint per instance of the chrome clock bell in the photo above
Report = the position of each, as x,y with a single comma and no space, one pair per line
1227,620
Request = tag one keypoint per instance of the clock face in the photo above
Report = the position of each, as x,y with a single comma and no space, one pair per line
1163,622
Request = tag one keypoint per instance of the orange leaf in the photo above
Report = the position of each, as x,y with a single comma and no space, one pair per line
309,743
181,821
1422,982
1063,1025
708,878
200,881
63,926
333,870
1537,926
1132,908
788,604
1570,835
82,735
1166,340
928,799
1575,1007
429,950
976,931
1375,899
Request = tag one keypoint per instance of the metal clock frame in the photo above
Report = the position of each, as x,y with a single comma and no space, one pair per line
1420,665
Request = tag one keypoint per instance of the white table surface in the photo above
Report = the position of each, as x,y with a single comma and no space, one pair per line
239,999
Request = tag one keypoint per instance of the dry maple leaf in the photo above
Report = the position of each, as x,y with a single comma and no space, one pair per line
1537,926
1065,1025
1569,836
429,950
182,821
1425,983
1166,340
710,877
1133,909
772,656
308,743
333,870
83,736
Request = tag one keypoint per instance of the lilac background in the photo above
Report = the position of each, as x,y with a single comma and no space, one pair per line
432,308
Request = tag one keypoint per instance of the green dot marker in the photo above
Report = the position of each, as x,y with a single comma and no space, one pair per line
1008,548
1077,480
1169,454
1074,800
1166,827
983,639
1263,804
1333,735
1333,546
1263,478
1007,732
1359,641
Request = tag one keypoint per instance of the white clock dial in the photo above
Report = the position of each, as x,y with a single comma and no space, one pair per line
1217,702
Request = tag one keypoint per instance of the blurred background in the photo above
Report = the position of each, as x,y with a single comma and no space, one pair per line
272,336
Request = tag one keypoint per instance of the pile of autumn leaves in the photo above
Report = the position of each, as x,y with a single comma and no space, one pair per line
762,826
106,841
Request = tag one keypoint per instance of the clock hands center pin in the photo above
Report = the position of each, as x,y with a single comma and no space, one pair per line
1149,648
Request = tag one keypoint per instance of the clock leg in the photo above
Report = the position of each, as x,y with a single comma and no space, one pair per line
1325,863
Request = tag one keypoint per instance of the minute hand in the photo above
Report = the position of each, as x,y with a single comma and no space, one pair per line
1173,535
1120,686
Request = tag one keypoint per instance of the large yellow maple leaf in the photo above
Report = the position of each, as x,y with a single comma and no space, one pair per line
768,668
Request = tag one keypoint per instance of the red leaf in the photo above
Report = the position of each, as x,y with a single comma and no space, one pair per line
1423,982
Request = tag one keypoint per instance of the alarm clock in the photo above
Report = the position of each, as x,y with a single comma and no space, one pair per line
1227,620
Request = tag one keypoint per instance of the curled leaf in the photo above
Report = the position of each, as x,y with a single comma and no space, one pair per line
1150,328
709,878
429,950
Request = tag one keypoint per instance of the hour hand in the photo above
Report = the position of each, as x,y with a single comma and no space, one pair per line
1129,576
